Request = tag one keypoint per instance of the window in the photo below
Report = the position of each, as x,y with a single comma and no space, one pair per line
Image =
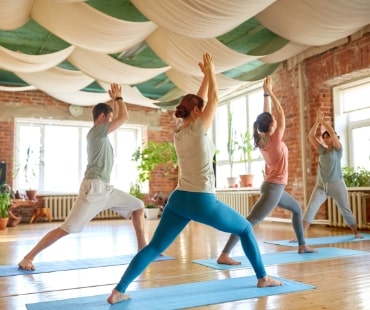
352,122
61,145
244,109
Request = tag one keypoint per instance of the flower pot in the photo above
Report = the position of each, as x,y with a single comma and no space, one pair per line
3,222
232,182
31,194
151,213
246,180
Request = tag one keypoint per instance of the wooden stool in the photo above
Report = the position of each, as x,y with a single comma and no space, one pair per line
40,212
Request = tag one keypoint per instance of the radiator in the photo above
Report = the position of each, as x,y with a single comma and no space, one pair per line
60,206
241,201
357,203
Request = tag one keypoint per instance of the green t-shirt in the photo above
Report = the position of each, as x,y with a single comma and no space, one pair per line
99,154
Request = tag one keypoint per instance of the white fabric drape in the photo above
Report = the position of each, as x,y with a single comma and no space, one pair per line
178,32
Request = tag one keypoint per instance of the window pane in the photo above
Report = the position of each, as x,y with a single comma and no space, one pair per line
28,141
62,166
361,147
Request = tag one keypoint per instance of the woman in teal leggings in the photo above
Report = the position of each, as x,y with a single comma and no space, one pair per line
194,198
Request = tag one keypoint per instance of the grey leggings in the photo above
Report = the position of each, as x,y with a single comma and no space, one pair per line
272,195
338,191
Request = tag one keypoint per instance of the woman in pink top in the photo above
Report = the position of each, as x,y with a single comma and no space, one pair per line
268,136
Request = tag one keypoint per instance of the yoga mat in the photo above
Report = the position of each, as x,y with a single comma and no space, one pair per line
178,296
278,258
43,267
323,240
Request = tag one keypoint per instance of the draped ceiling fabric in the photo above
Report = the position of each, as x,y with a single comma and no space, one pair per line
152,48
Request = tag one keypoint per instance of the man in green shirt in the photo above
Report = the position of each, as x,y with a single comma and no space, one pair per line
96,194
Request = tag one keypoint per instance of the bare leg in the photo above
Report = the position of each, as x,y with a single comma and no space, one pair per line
268,281
138,222
116,296
225,259
355,231
47,240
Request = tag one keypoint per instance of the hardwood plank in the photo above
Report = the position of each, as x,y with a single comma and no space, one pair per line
341,283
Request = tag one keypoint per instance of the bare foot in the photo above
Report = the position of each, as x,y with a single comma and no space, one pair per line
225,259
116,296
294,239
305,249
26,264
359,236
268,281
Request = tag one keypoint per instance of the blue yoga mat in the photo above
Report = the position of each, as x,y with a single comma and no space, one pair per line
178,296
43,267
323,240
278,258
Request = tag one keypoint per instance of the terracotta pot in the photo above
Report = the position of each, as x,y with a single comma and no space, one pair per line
31,194
246,180
3,222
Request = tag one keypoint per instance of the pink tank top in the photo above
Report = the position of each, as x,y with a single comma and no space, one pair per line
275,154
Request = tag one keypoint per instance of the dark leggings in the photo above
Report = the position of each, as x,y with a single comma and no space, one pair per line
272,195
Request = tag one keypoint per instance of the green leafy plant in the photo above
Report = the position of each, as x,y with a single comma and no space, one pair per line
153,155
5,200
151,206
356,176
135,190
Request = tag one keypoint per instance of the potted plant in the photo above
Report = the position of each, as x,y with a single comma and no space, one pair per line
5,203
356,176
246,147
151,211
153,155
29,170
232,146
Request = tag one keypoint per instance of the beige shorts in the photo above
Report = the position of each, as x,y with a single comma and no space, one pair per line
96,196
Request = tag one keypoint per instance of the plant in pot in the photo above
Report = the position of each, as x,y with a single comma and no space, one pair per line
232,147
246,147
151,211
29,170
5,202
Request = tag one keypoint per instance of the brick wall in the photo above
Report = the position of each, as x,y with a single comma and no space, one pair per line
319,74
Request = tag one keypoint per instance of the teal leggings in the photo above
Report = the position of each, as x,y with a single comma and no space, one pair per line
181,208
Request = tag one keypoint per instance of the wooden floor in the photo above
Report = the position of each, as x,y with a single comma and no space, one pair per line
342,284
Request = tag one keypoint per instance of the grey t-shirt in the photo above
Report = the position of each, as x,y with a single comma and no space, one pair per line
195,153
329,168
99,154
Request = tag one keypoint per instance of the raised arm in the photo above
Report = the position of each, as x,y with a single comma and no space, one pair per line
276,109
209,110
120,113
312,134
336,143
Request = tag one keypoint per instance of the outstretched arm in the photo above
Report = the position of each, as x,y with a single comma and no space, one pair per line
120,113
312,134
276,106
336,143
209,110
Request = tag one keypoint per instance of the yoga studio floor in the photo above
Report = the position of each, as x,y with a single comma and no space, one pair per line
339,282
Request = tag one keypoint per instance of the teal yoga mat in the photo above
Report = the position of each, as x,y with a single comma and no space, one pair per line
178,296
44,267
323,240
278,258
